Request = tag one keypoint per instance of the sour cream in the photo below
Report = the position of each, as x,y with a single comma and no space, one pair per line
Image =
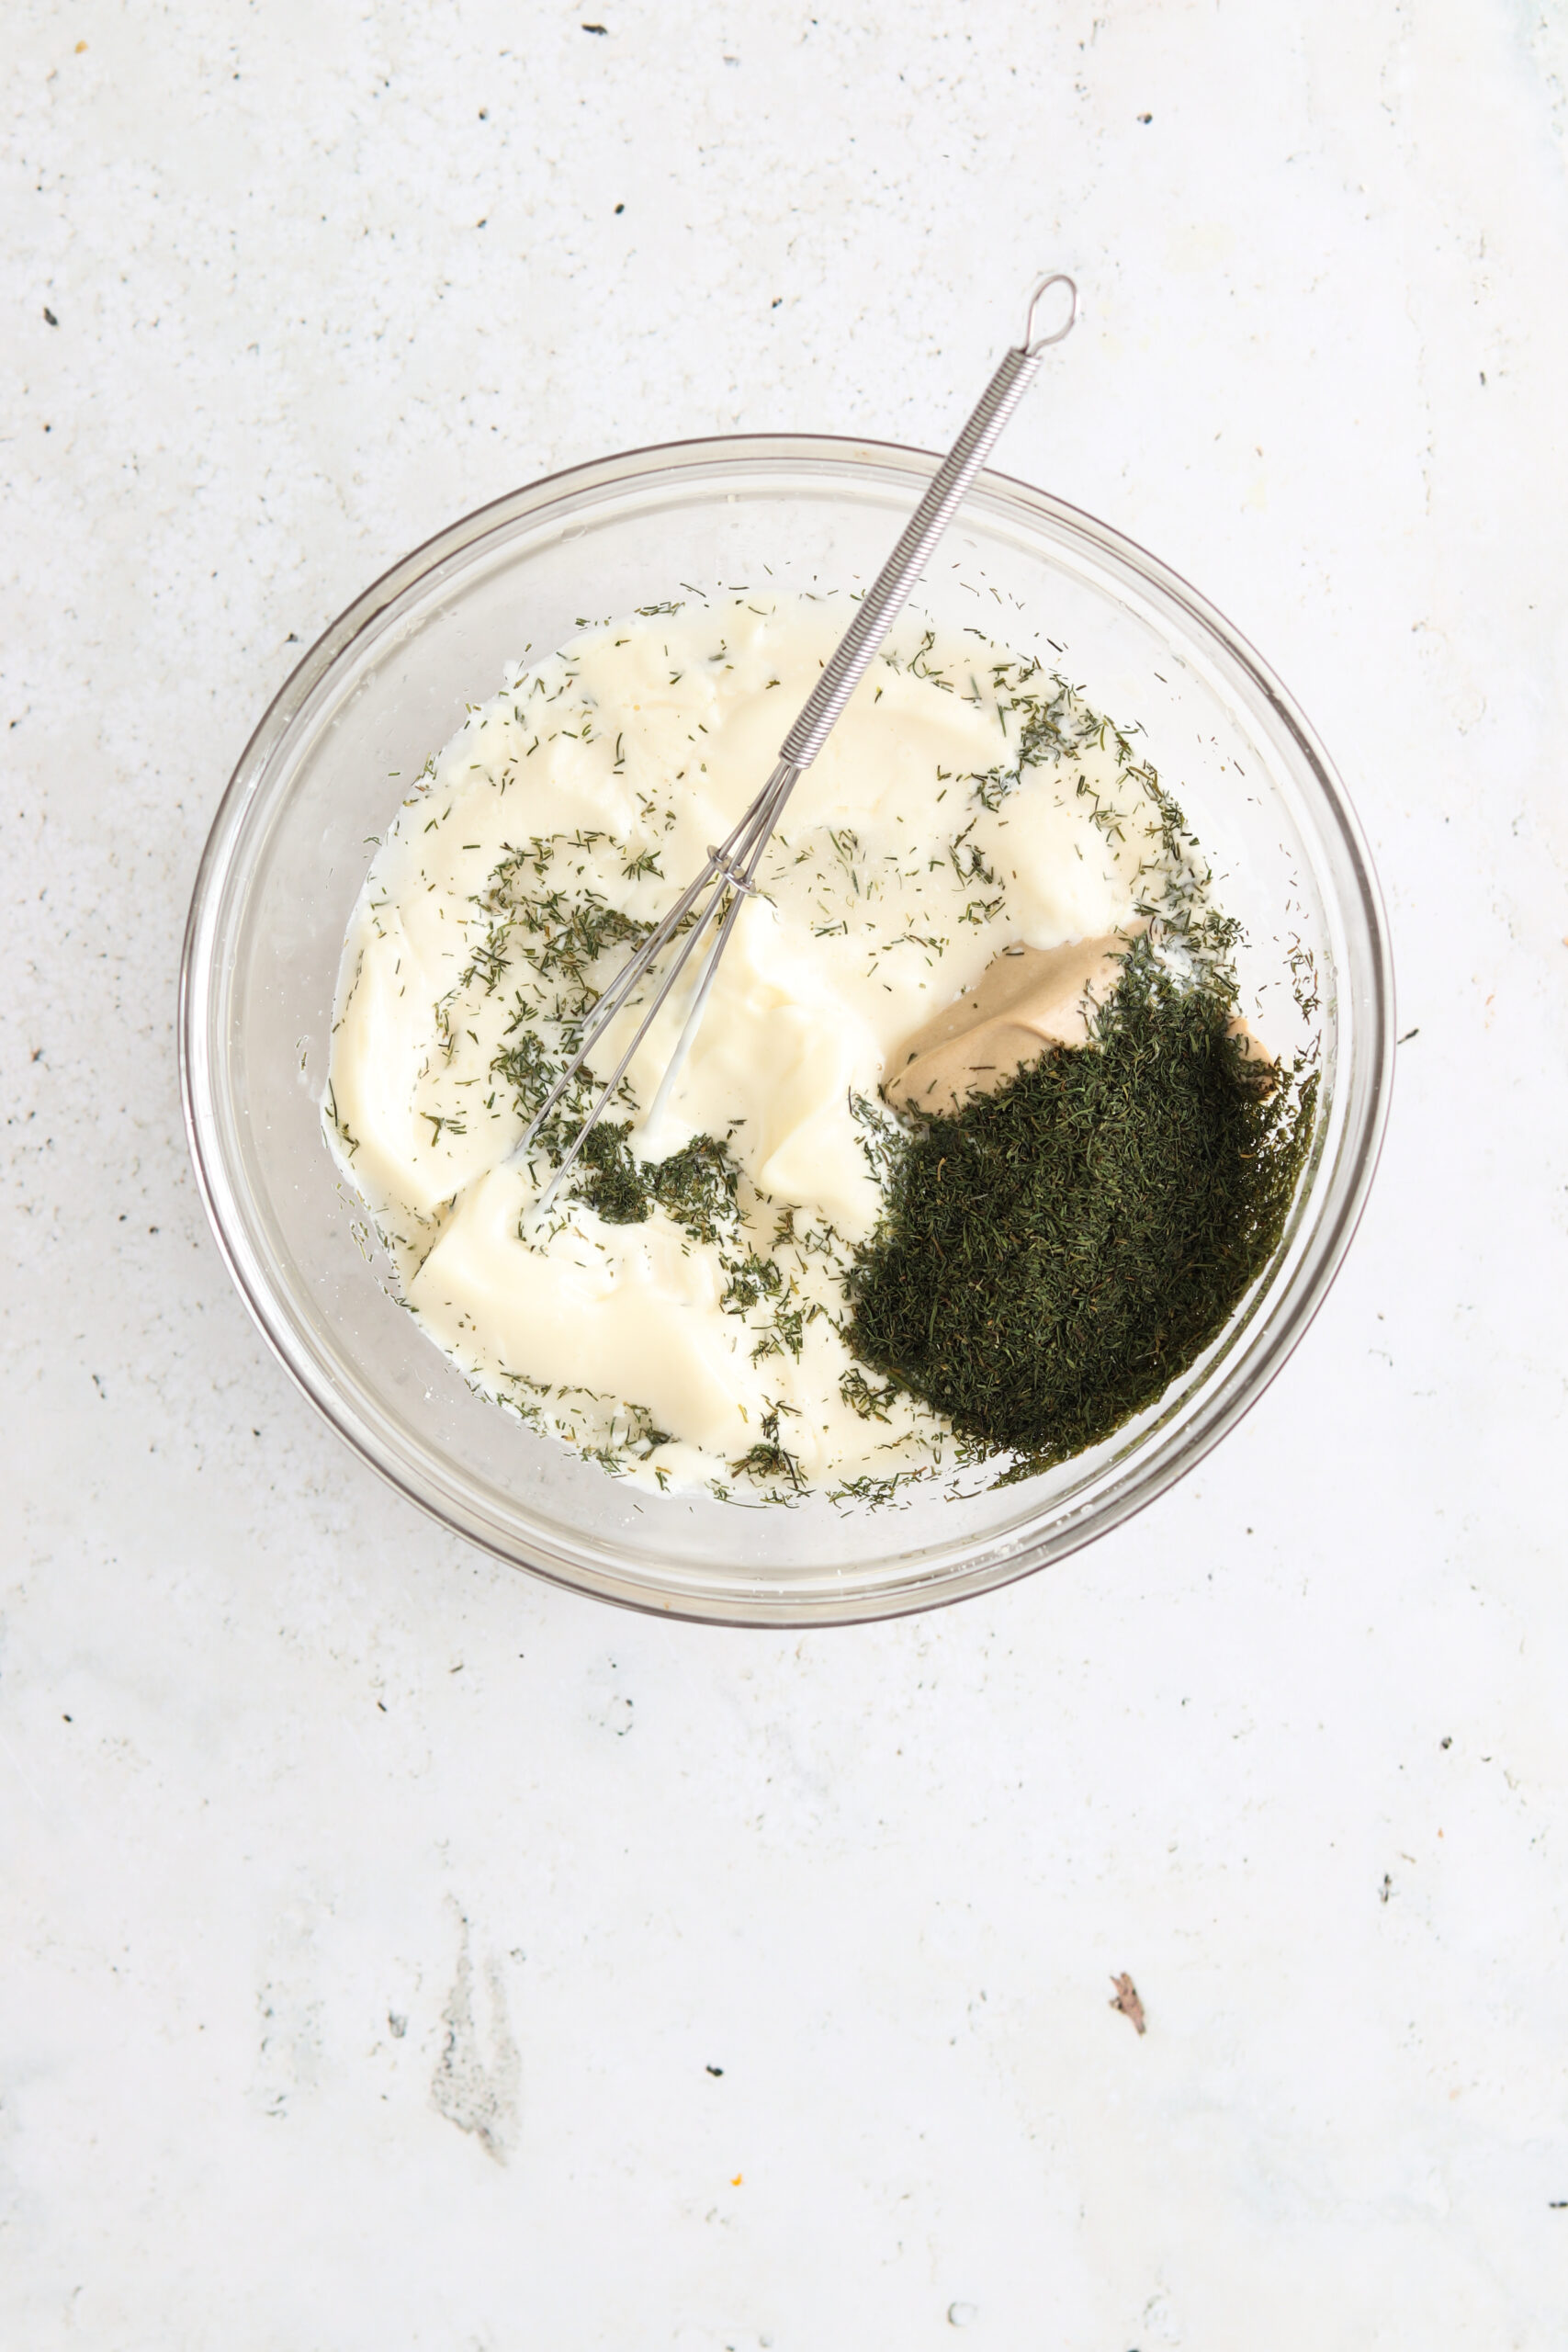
967,801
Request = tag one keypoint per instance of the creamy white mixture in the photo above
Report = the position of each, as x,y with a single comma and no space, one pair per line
564,818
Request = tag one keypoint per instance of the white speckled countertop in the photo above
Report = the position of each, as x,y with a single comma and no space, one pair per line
397,1953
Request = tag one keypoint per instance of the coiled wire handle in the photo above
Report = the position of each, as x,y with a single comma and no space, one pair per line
949,487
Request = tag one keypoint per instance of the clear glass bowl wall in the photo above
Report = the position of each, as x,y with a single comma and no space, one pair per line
385,686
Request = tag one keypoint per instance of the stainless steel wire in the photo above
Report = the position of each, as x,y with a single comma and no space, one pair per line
730,875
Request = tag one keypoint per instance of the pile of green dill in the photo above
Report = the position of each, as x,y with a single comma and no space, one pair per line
1057,1253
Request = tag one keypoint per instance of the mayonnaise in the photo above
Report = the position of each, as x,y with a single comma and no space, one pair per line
704,1344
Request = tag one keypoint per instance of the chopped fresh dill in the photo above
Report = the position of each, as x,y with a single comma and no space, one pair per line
1055,1254
695,1186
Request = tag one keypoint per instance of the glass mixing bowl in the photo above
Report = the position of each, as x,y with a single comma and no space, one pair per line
385,687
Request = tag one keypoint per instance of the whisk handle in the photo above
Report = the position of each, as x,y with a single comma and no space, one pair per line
949,487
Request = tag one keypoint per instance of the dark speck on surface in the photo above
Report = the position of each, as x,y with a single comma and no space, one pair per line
49,314
1125,1998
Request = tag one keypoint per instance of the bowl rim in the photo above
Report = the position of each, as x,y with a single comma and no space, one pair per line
1297,1306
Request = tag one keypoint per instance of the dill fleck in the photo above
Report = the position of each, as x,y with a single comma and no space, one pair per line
769,1459
858,1393
752,1279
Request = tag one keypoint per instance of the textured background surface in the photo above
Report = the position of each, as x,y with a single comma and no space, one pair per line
376,1921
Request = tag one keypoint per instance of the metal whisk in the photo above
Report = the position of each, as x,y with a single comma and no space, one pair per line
730,875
